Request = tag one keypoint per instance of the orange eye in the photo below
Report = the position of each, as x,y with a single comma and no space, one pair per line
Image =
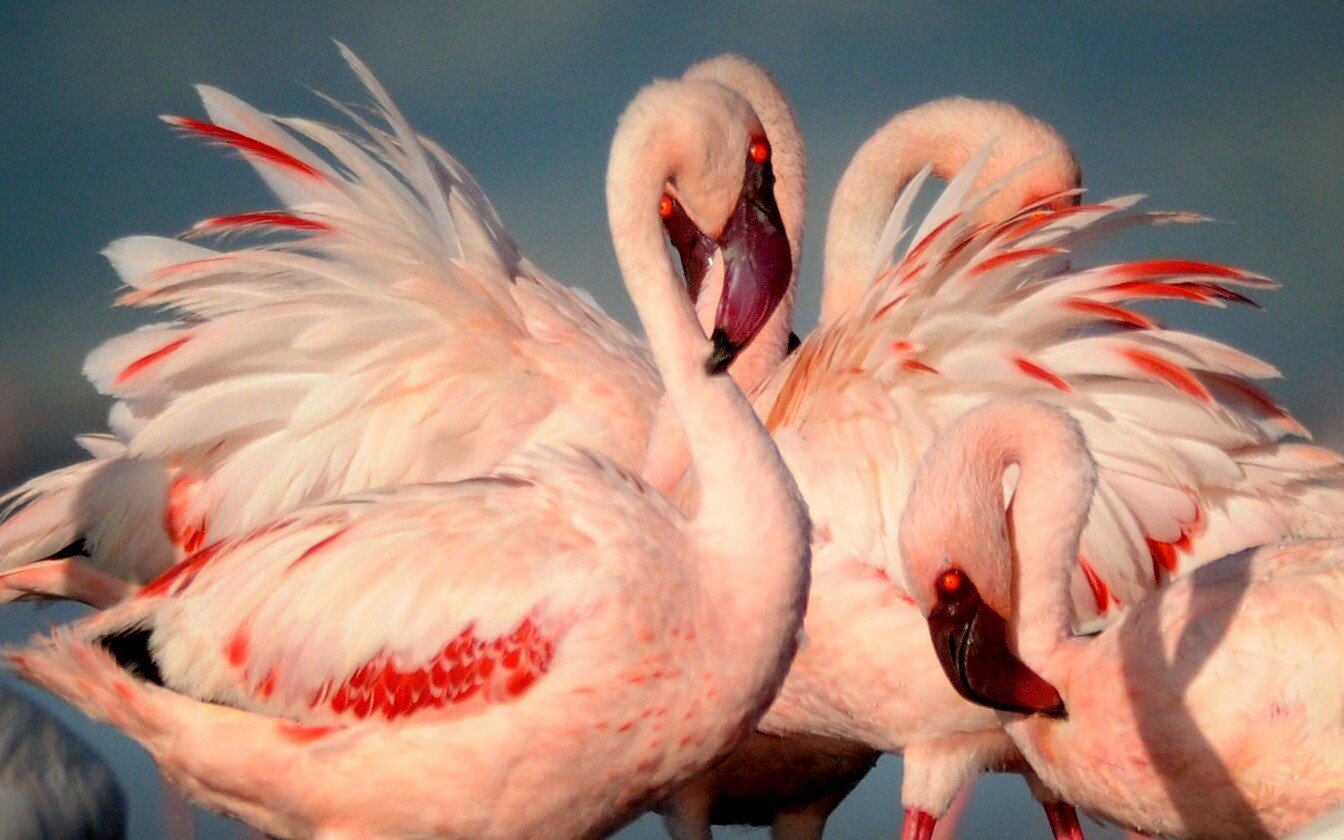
950,581
759,150
665,206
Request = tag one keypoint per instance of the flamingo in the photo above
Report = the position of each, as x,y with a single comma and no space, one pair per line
1210,709
793,784
399,335
111,507
535,652
51,784
1191,454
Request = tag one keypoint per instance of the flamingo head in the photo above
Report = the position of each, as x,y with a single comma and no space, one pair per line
758,262
957,546
703,146
971,641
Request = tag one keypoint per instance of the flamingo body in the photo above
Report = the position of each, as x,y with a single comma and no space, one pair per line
1209,709
244,626
1205,712
534,652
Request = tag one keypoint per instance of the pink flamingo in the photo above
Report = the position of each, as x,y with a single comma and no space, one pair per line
1210,709
399,335
111,507
793,784
533,653
1190,453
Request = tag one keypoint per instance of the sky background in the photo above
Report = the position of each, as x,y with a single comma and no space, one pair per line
1234,110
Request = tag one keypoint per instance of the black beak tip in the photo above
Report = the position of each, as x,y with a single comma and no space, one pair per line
723,354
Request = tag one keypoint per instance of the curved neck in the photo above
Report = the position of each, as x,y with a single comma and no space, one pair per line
945,134
1046,521
1022,570
751,528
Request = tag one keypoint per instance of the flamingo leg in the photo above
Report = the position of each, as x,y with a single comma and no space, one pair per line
688,817
808,824
1063,819
67,579
918,825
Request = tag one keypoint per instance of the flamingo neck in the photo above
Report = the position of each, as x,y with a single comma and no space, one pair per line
944,134
1045,523
751,530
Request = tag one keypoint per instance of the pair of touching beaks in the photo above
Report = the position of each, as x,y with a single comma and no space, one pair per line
757,261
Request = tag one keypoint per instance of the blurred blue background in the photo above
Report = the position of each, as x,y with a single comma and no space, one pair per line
1235,110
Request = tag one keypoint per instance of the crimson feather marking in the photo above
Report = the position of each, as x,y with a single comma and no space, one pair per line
1173,374
1142,269
1164,557
928,239
180,576
301,734
1101,593
148,359
466,668
1011,257
1111,313
315,548
268,218
188,536
246,145
916,366
1045,375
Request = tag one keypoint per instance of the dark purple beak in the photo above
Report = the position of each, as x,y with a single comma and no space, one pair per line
758,267
971,641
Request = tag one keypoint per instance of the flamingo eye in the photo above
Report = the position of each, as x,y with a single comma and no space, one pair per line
665,206
759,150
951,581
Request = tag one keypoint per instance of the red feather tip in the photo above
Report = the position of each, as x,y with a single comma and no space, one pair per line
1035,371
247,145
1169,372
274,219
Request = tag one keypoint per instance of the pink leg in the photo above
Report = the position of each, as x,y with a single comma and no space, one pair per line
950,822
69,579
1063,821
918,825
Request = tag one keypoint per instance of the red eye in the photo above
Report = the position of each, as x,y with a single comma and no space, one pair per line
665,206
951,581
759,150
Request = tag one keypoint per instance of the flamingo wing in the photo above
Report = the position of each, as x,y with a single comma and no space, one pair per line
422,599
381,328
1192,456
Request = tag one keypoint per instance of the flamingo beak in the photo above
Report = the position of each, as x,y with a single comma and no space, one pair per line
696,250
758,267
971,641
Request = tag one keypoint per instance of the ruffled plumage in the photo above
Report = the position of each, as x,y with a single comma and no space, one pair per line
1193,455
381,328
